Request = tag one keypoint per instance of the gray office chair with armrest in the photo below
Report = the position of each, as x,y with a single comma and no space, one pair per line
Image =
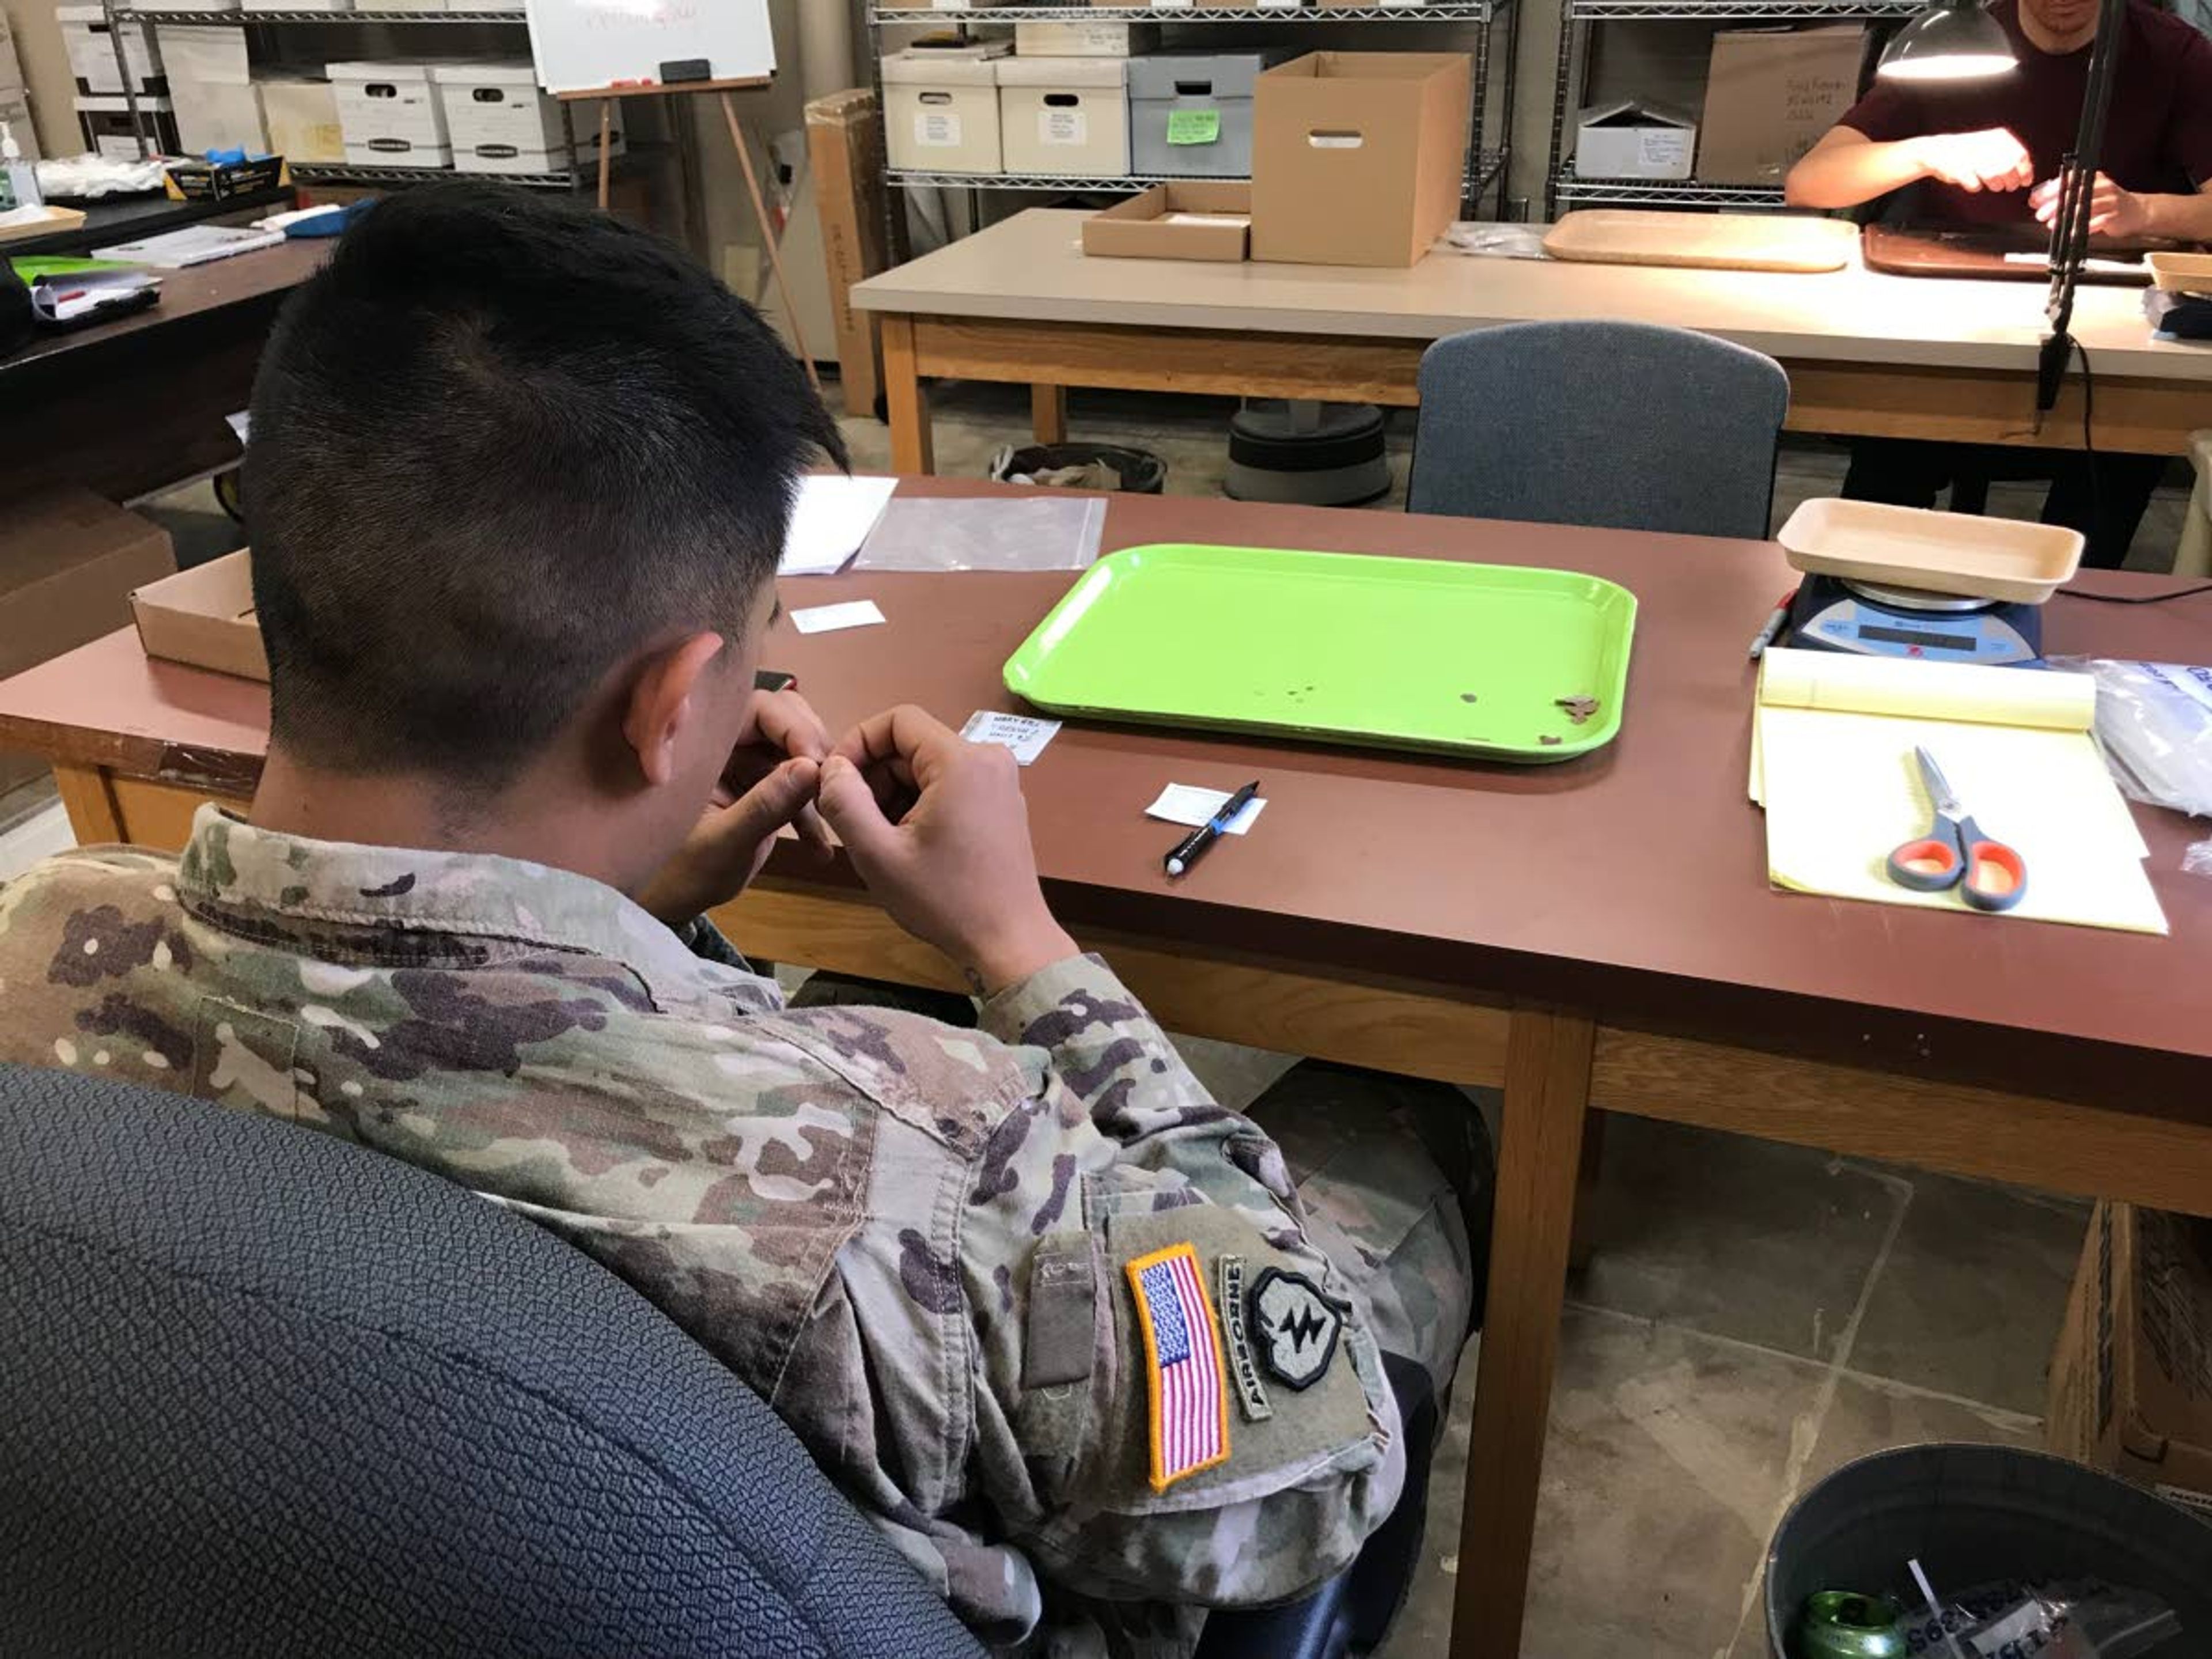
1621,426
266,1392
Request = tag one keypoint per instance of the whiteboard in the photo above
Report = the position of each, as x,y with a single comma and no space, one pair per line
581,44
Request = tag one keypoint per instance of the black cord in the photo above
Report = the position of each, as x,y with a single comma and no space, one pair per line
2136,599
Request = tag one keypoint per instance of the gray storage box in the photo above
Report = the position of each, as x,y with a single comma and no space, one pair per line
1211,93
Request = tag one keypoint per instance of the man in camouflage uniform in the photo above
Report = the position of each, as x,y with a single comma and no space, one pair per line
1095,1353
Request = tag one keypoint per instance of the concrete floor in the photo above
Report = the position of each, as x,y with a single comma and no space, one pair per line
1755,1316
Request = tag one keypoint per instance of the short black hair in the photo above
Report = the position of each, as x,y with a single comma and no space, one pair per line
500,442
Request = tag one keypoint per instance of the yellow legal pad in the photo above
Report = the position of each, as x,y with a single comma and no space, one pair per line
1832,762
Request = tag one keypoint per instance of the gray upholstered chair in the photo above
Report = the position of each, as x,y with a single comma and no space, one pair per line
263,1393
1618,425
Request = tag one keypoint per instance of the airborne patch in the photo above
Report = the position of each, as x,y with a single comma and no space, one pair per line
1251,1393
1294,1326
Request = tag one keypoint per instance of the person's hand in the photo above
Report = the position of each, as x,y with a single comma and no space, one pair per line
769,782
936,828
2113,211
1990,160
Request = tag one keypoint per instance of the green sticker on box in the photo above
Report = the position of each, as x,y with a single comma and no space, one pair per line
1193,127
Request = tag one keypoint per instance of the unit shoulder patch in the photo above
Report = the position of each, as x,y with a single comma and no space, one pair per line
1294,1326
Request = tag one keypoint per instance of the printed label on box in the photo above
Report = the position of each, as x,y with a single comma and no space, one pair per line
937,129
1062,126
1658,147
1193,127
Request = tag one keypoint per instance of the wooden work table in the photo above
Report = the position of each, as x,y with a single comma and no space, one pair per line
1867,355
1597,932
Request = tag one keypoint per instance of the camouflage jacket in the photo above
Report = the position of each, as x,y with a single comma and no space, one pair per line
915,1241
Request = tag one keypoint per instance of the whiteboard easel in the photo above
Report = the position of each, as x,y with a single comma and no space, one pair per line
578,44
722,90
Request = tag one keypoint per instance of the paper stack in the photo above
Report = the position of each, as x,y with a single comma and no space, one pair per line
1832,762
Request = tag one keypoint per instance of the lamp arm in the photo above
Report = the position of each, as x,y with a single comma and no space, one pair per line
2077,180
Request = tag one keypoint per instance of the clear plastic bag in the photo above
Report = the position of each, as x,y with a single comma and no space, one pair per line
2155,724
1047,531
2046,1618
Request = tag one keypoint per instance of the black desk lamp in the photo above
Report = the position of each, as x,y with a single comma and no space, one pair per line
2069,226
1957,40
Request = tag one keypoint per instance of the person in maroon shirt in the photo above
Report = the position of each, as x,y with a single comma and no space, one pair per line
1988,152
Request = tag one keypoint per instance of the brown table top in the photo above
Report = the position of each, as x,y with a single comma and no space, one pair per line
190,293
1631,881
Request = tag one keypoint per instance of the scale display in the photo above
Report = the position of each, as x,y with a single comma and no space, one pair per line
1827,616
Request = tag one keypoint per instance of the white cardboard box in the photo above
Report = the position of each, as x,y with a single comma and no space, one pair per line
296,5
1628,139
86,32
302,116
186,5
389,115
218,117
499,120
941,112
210,54
1084,39
1064,116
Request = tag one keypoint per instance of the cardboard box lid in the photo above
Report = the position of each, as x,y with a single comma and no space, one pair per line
1228,74
931,69
365,71
204,617
2168,1260
1628,114
1823,31
1139,227
1063,71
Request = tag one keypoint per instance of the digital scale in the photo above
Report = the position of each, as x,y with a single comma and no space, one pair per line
1836,613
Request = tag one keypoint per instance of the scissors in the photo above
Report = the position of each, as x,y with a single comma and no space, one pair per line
1954,853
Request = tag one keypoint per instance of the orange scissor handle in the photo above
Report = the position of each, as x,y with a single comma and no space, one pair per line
1928,865
1996,876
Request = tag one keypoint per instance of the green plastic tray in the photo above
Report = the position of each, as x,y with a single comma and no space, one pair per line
1497,660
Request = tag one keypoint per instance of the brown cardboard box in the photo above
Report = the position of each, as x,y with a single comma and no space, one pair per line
845,142
2131,1378
1771,95
1154,226
68,563
1358,157
204,617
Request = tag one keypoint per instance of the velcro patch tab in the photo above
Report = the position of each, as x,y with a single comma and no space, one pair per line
1184,1373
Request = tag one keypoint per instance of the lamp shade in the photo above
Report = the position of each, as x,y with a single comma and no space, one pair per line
1947,40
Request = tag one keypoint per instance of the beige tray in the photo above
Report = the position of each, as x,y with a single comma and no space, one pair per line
57,219
1933,552
2181,273
1703,241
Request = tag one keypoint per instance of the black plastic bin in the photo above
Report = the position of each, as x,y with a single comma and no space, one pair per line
1971,1514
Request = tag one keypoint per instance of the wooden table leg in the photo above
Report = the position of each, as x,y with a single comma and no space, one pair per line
1048,414
606,151
905,401
93,817
1548,1075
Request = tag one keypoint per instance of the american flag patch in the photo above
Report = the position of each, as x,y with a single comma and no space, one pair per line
1183,1368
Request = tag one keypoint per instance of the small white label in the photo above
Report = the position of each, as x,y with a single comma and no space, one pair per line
1187,804
948,5
1062,126
828,618
936,129
1025,735
1662,147
1173,5
1280,5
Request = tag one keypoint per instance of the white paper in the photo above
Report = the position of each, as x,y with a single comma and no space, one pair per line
828,618
832,519
1062,126
1025,735
1187,804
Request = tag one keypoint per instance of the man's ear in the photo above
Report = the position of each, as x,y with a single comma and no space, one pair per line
664,697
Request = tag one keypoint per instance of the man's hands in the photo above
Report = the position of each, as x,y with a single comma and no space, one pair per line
1990,160
769,782
936,828
2113,211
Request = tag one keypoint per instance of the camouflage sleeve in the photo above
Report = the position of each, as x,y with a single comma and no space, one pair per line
1178,1399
